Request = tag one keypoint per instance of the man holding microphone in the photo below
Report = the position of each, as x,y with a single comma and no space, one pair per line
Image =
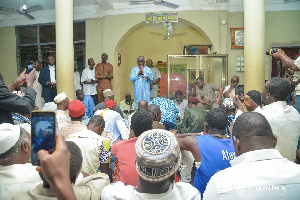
141,76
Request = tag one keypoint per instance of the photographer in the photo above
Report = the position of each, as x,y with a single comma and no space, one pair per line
295,66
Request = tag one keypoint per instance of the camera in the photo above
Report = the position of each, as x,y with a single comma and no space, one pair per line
274,50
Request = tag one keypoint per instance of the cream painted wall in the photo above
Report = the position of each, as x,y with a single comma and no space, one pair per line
142,42
117,27
8,67
107,34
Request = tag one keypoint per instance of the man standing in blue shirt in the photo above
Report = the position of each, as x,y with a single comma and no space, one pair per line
141,76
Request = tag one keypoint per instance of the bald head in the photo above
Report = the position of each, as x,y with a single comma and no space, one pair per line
252,132
155,112
142,105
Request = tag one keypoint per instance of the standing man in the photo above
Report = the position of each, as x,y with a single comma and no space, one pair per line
206,94
104,74
89,81
229,91
295,66
47,79
39,101
141,76
157,77
77,85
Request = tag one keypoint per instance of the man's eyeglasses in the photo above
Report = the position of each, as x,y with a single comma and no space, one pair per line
233,81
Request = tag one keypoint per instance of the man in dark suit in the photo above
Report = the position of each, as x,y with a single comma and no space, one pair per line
47,79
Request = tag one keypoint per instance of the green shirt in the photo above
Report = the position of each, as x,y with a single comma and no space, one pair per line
193,121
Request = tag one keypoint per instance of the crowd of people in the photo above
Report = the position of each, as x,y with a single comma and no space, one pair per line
151,147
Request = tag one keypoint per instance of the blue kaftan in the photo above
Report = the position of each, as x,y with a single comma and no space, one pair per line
141,86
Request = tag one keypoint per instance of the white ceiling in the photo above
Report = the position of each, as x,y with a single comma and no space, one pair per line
84,9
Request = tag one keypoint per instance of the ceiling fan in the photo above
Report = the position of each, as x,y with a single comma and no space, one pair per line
156,2
23,10
169,33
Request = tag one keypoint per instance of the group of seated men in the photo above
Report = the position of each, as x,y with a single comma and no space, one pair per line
164,150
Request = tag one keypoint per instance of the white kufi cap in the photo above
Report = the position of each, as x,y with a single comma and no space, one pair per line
60,97
9,135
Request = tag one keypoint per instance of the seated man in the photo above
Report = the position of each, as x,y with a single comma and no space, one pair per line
127,105
259,171
93,146
62,102
89,187
76,112
169,111
229,91
87,101
124,168
16,174
206,94
182,104
155,113
193,120
212,152
229,108
114,123
154,181
108,95
256,97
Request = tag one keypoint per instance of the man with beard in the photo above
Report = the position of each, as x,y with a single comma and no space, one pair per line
127,105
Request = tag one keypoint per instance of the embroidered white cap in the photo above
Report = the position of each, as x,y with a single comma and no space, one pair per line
9,135
26,126
60,97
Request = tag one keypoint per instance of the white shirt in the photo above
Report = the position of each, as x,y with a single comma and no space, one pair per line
90,144
87,75
260,174
177,191
52,74
39,100
182,107
285,124
17,177
154,88
232,93
297,75
62,118
77,85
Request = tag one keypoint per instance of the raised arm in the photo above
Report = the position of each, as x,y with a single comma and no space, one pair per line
134,74
280,54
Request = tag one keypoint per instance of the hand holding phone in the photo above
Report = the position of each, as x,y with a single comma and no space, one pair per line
43,132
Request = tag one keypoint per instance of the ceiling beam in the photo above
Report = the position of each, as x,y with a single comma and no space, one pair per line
105,4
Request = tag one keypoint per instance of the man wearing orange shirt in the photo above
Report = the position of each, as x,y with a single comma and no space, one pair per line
104,73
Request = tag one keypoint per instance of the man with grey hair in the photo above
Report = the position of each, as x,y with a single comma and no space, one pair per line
62,102
108,95
15,151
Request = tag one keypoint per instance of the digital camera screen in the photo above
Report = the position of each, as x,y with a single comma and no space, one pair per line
42,135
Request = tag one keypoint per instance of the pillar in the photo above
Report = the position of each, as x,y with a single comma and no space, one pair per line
64,47
254,44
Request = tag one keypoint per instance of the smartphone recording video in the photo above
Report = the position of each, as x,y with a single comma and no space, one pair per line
43,125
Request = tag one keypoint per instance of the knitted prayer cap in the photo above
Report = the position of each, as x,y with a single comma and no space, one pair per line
109,104
228,103
193,100
158,155
141,58
9,135
76,108
60,97
108,93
